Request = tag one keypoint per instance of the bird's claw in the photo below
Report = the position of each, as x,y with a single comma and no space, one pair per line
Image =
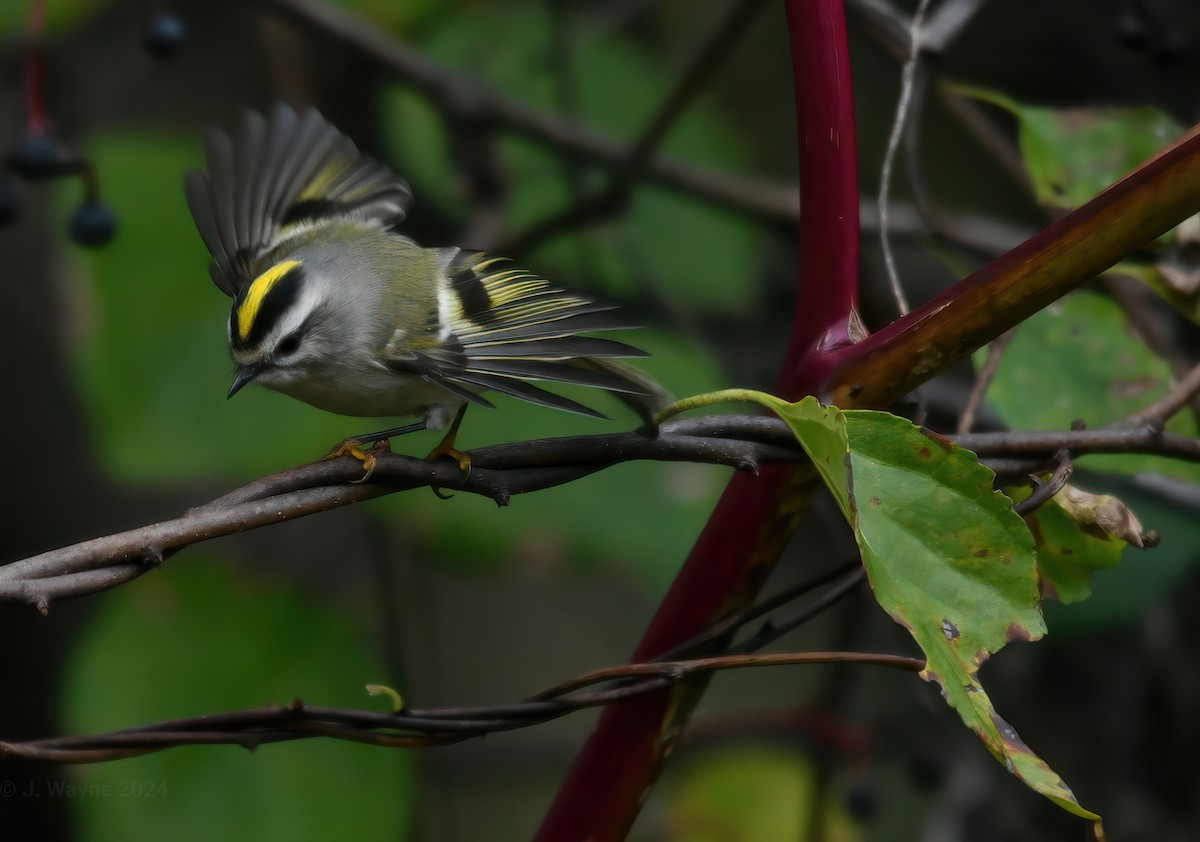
353,449
448,449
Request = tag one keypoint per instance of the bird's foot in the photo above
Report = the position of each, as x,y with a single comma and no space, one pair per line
353,448
447,448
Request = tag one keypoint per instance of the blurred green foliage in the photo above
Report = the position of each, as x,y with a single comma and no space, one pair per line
60,15
692,255
1079,360
198,638
1068,556
1122,595
153,368
1072,154
750,793
394,17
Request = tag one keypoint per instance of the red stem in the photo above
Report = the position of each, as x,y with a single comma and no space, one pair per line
38,119
604,790
828,155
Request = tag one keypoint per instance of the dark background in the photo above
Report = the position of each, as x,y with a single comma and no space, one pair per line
115,373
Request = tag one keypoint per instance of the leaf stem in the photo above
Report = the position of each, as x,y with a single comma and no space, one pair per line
707,399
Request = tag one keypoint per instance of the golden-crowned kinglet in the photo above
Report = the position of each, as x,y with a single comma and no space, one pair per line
334,307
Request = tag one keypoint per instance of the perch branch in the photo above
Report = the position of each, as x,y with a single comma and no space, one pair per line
498,472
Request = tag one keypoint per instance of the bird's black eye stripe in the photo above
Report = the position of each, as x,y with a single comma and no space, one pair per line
289,345
274,304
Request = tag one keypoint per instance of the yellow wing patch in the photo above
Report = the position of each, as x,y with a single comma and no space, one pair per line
257,291
319,185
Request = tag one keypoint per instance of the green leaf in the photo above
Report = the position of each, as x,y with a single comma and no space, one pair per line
947,557
205,639
1123,596
1077,534
1079,360
1072,154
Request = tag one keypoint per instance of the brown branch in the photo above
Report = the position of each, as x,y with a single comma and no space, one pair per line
498,472
675,671
1044,444
1045,490
414,728
1170,404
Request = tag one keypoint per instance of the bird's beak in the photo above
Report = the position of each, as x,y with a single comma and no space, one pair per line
242,375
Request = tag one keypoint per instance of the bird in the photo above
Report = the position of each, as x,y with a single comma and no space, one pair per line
335,306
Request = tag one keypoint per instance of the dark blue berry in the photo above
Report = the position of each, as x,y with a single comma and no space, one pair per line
40,156
10,204
862,801
926,771
93,224
165,36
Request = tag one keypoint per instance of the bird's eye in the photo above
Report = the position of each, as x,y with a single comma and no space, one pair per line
289,345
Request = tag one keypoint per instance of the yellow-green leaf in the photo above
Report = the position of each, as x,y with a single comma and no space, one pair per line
946,555
1078,533
1071,154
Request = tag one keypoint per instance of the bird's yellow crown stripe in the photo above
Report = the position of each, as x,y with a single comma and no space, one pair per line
257,291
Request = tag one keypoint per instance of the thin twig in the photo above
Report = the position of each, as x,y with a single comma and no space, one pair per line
893,28
679,670
1045,490
413,728
987,373
1176,399
723,629
775,629
1044,444
615,197
885,178
1143,308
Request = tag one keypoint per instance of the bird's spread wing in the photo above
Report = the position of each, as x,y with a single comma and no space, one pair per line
502,327
280,174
